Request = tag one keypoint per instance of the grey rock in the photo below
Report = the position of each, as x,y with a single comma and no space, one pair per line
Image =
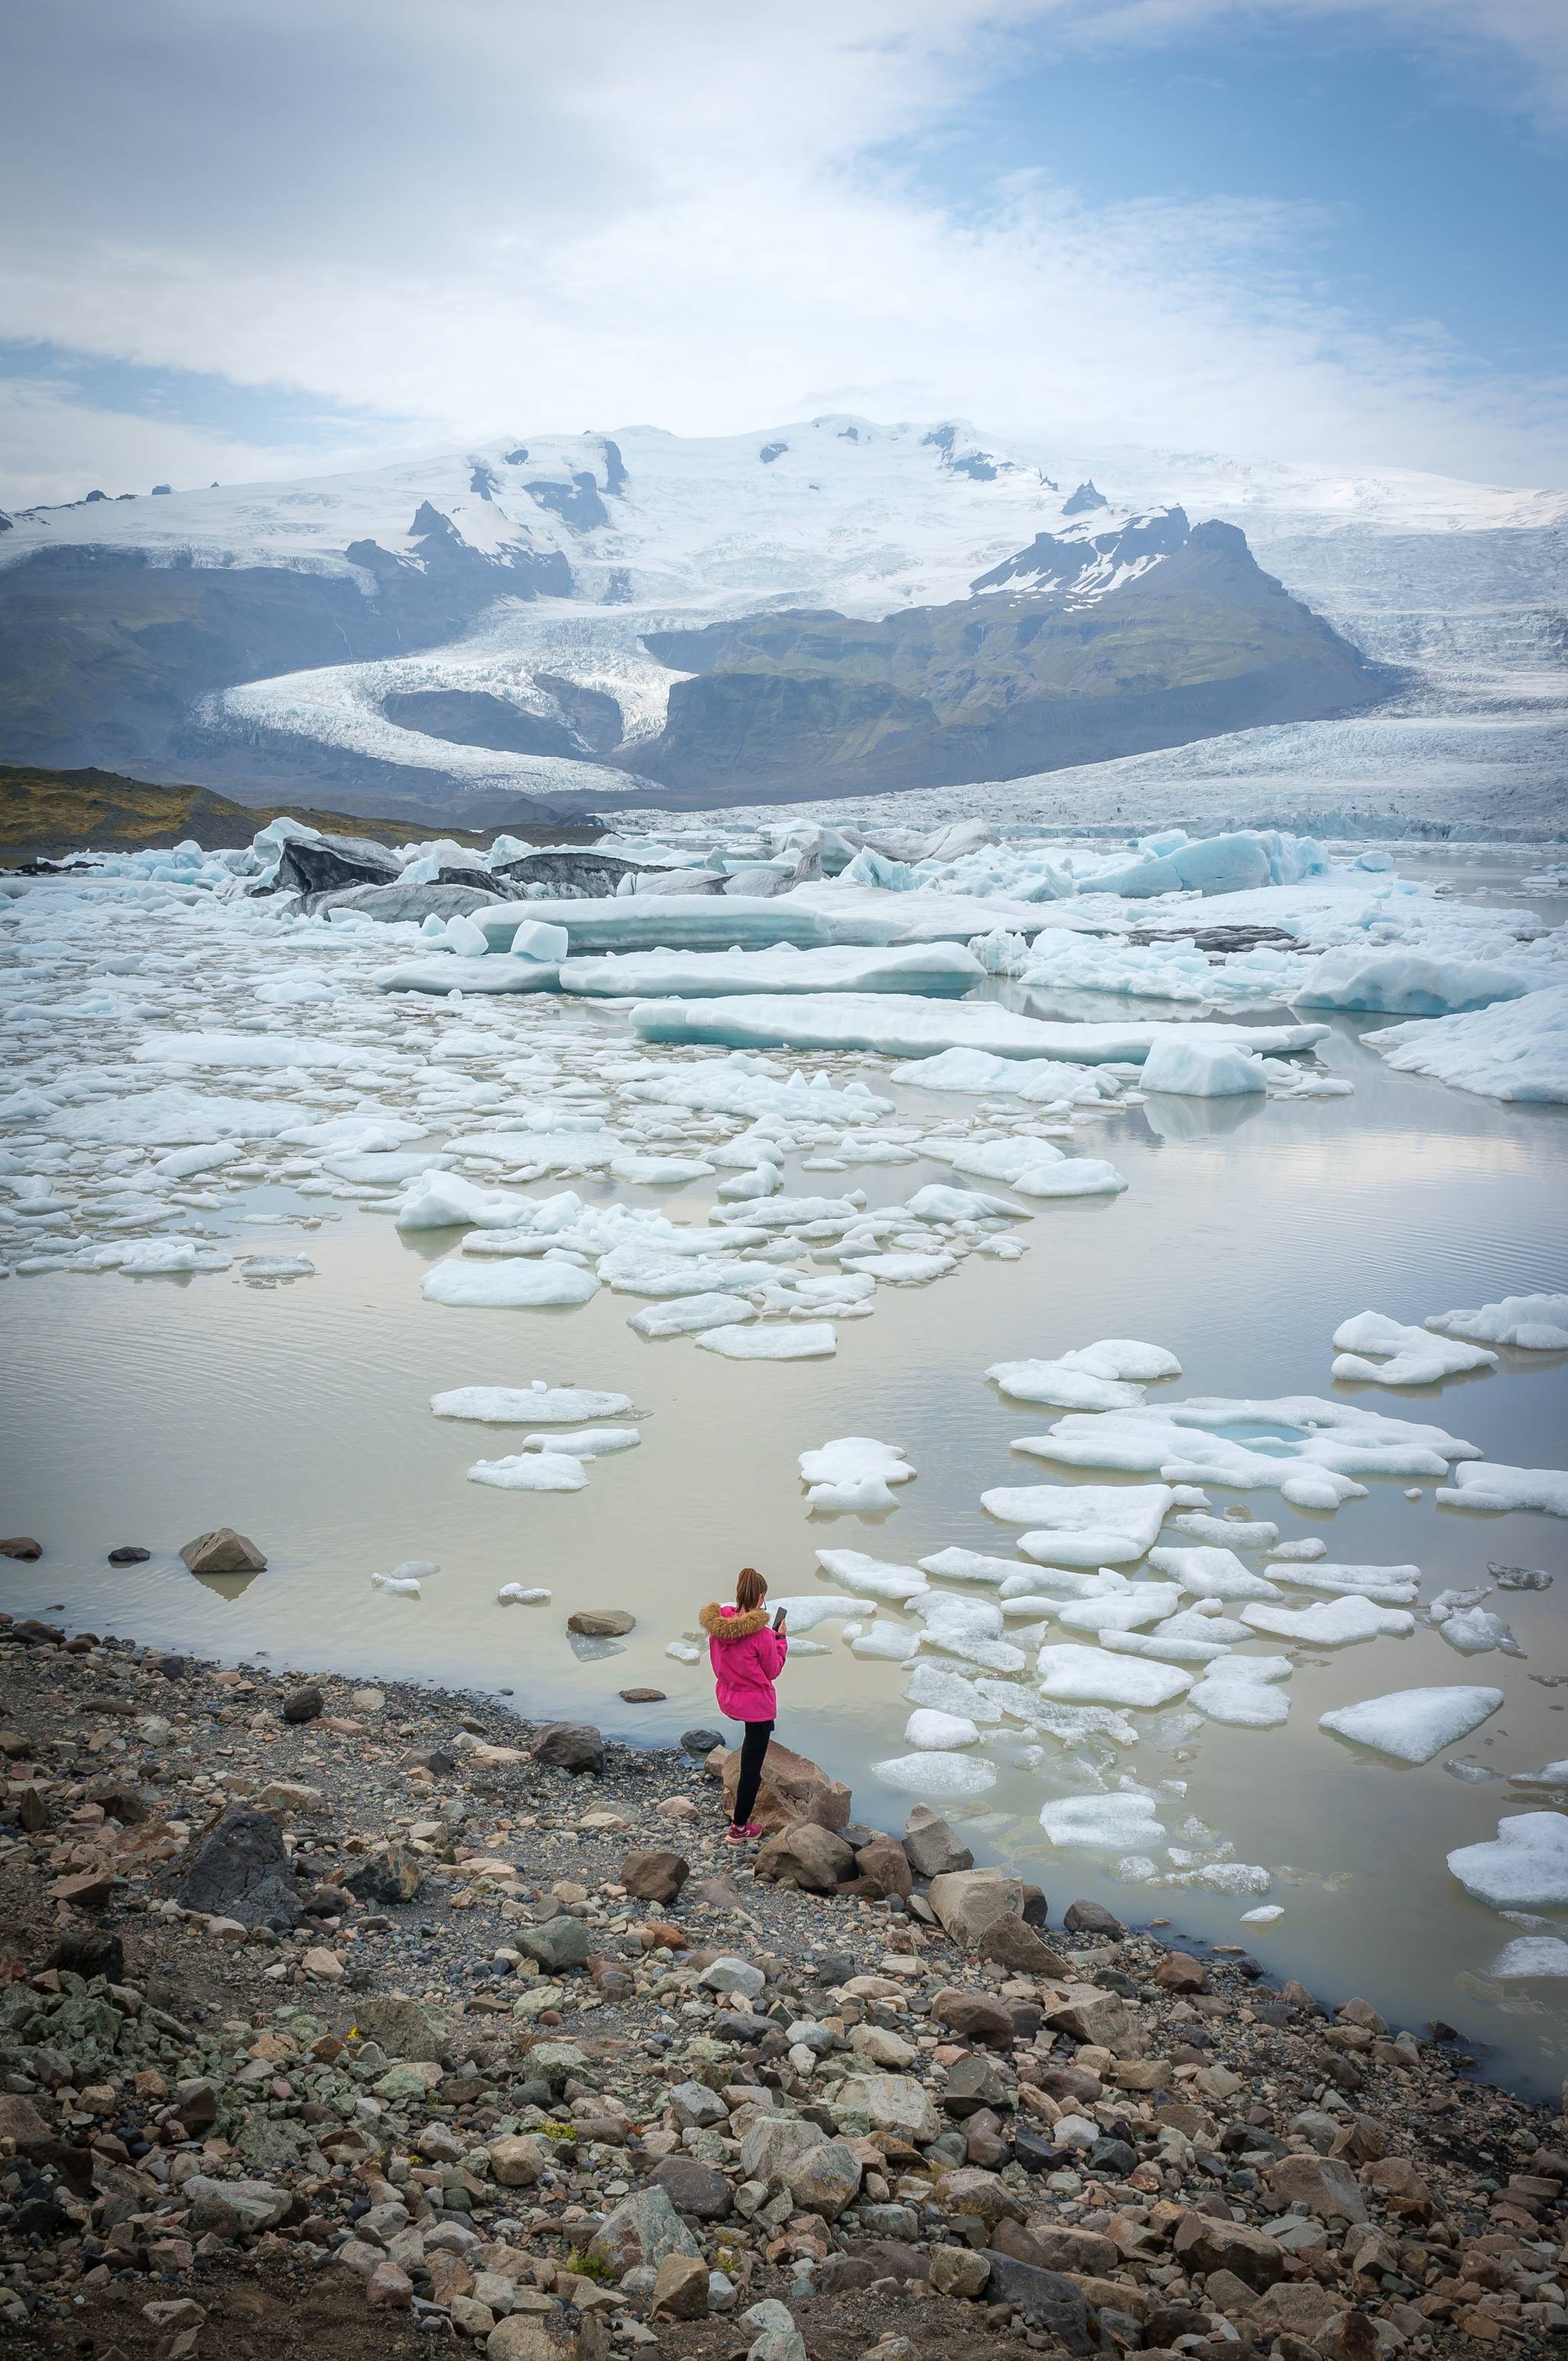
234,2207
403,2028
643,2228
243,1871
304,1703
559,1944
932,1847
222,1551
570,1746
701,1743
1049,2294
1091,1919
694,2188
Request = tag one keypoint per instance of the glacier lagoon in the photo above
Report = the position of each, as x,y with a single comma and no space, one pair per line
146,1408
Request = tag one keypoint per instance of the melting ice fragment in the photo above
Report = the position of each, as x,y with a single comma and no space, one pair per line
804,1340
1407,1356
1534,1324
937,1777
1120,1822
534,1405
854,1473
1079,1675
1082,1524
508,1285
1489,1485
1412,1725
1524,1867
530,1471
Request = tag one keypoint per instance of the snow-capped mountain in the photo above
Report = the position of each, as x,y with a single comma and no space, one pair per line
529,617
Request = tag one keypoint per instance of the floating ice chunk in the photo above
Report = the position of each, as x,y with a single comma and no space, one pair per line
1331,1622
1321,1446
854,1473
1412,1725
907,1270
808,1340
239,1050
1227,1695
948,1615
508,1285
534,1405
790,1213
451,971
1524,1867
1414,1357
530,1471
686,1315
815,1606
1530,1955
444,1201
1265,1915
874,1577
1515,1049
1203,1621
1074,1176
933,1730
1534,1324
1550,1775
261,1268
935,1202
1079,1675
761,1181
513,1594
1225,1532
1203,1070
1082,1524
1301,1553
946,1691
1234,1876
1488,1484
157,1257
969,1565
1058,1386
886,1640
1060,1581
659,1171
1121,1611
1038,1081
666,922
1125,1357
938,1778
1389,1585
1210,1572
396,1586
945,971
905,1027
185,1163
684,1651
383,1167
585,1441
1474,1632
1168,1647
1112,1823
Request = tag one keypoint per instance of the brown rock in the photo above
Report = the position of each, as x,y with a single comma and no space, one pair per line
1086,2014
794,1789
570,1746
389,2287
982,2194
1178,1971
1201,2243
882,1868
86,1889
655,1877
517,2161
958,2270
1396,2177
807,1856
968,1901
680,2287
22,1545
643,1697
19,2119
1012,1943
932,1849
1302,2306
222,1551
974,2016
1325,2186
601,1622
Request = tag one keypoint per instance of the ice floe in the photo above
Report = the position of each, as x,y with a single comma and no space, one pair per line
1489,1485
1405,1357
532,1405
1535,1324
1413,1724
1524,1867
531,1471
854,1473
1082,1524
508,1285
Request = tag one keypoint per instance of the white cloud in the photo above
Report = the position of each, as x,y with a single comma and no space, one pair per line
481,217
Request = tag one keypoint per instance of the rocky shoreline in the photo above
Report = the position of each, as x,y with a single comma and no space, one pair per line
371,2020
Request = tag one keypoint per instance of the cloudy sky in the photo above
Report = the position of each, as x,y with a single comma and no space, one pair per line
267,239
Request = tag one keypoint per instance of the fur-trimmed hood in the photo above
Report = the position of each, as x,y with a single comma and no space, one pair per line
727,1624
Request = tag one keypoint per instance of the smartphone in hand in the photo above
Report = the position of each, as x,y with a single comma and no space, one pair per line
779,1619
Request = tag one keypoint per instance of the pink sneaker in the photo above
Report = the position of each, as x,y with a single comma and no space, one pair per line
746,1835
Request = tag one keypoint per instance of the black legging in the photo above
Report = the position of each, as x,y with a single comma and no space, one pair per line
754,1746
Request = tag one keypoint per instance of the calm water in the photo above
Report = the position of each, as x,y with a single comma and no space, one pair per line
147,1410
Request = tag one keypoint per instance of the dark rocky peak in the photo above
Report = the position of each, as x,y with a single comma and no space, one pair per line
483,480
517,458
614,466
5,522
158,489
772,451
429,524
1085,497
577,504
1078,564
95,496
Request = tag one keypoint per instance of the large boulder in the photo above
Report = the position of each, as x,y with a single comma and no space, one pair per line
793,1788
825,2179
1325,2186
769,2143
243,1871
808,1857
932,1849
1200,2242
882,1868
694,2188
222,1551
570,1746
1012,1943
889,2103
394,1873
561,1943
968,1901
654,1875
975,2017
643,2228
1086,2013
403,2028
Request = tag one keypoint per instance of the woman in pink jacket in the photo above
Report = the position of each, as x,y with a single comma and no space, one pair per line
747,1654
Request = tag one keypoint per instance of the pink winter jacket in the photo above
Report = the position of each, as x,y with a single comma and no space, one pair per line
747,1656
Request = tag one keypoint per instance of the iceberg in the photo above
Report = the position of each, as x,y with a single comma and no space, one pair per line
508,1284
660,922
1073,1674
904,1027
1322,1447
1202,1070
1534,1324
450,972
1082,1524
805,1340
1407,1356
1513,1049
688,1315
1524,1867
438,1200
1331,1622
1489,1485
534,1405
937,971
1412,1725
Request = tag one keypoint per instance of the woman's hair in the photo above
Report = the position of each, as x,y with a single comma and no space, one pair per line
749,1590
